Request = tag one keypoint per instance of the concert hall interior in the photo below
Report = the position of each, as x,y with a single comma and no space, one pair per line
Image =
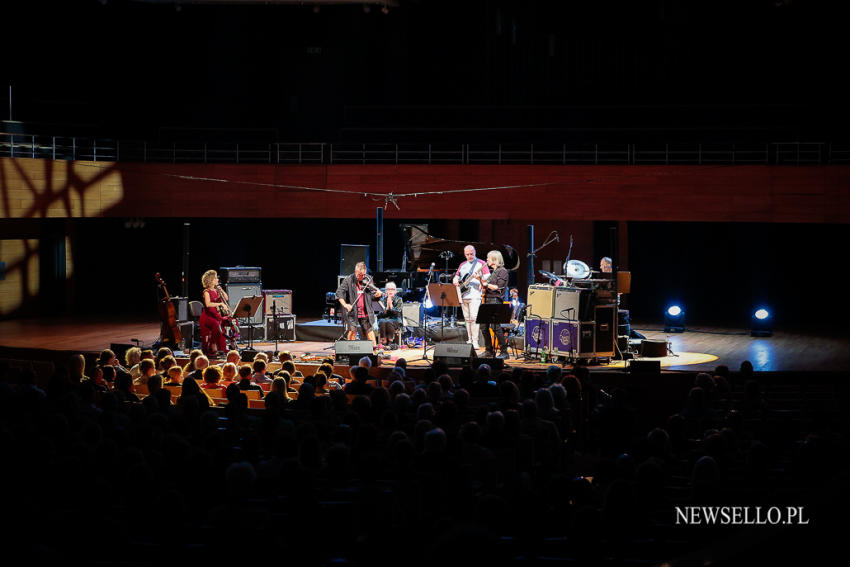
498,282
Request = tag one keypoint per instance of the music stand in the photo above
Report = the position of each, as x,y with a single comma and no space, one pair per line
494,314
444,295
246,309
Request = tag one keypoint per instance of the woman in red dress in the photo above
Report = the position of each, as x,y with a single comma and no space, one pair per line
213,339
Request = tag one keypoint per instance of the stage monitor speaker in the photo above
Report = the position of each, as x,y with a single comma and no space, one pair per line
454,354
606,329
653,349
280,298
410,312
352,351
181,308
350,255
540,301
237,291
645,366
285,330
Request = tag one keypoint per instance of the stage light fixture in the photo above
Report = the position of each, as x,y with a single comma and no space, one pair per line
761,323
674,319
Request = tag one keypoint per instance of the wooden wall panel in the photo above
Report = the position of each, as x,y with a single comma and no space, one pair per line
42,188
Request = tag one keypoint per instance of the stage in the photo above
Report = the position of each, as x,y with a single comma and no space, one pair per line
698,349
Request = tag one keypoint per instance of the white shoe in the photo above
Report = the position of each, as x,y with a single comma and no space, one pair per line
476,346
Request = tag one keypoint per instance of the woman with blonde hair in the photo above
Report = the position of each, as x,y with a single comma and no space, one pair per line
213,339
494,292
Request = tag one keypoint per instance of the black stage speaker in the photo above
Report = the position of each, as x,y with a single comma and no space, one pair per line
454,354
187,329
236,291
285,330
645,366
586,342
352,351
606,329
349,255
256,333
653,349
181,308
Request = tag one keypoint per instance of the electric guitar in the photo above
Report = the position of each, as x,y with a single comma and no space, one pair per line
466,280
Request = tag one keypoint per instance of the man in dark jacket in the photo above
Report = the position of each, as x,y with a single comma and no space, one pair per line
352,295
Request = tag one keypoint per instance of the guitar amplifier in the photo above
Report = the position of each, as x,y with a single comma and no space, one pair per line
540,299
410,313
235,292
280,298
285,330
240,274
566,302
181,308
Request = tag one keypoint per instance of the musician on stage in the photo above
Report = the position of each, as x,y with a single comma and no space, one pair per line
605,265
517,312
471,272
352,295
389,320
494,292
213,339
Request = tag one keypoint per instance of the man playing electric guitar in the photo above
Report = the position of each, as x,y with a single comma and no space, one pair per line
468,281
359,313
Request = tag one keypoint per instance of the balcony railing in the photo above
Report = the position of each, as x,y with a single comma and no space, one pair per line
316,153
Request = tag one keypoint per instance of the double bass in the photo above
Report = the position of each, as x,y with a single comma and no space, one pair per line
228,321
170,330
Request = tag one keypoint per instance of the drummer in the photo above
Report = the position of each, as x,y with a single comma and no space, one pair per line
605,265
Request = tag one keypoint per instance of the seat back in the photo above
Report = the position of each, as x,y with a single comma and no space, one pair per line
195,309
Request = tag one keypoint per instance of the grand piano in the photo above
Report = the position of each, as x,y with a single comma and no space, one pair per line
421,249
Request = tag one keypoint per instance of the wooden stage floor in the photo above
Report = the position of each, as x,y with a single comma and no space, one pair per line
697,348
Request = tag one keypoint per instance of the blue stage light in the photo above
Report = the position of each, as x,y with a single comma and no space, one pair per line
761,323
674,319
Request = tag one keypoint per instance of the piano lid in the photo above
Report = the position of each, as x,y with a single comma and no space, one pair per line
423,248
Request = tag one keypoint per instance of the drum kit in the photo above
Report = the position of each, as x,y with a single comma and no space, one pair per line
575,270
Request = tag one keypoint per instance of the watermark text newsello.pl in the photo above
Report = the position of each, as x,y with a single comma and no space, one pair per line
741,515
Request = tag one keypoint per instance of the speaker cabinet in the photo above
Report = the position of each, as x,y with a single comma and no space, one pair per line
279,298
587,339
565,338
566,303
256,333
540,301
351,352
187,329
237,291
606,329
537,335
285,330
454,354
350,255
181,308
410,312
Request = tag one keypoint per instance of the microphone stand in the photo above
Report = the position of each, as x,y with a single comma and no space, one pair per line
275,327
